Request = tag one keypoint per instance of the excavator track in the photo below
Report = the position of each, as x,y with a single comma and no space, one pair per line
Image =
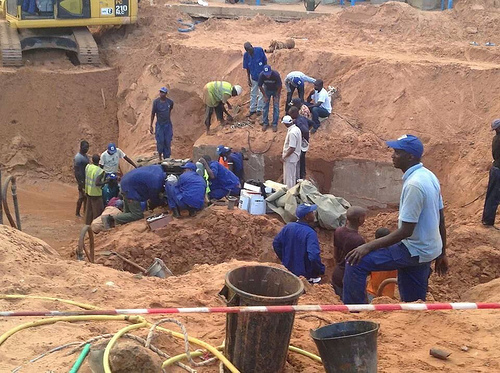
88,53
10,45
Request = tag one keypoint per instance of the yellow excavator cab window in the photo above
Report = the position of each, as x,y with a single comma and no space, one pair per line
72,6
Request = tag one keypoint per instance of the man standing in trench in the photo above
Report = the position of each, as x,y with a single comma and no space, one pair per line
419,239
80,162
254,61
162,108
493,192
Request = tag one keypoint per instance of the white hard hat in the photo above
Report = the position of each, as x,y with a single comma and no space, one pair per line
238,89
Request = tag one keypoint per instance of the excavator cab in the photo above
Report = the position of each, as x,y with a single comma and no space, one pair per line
61,24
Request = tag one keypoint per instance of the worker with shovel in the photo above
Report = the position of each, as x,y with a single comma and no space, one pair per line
215,95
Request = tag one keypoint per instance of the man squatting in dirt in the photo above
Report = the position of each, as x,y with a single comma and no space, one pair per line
419,239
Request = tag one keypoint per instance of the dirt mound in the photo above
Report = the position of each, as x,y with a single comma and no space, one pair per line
27,270
214,236
488,292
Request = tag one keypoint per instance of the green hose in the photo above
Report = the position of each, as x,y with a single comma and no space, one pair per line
81,358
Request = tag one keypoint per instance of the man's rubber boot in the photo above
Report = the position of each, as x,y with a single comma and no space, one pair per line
176,213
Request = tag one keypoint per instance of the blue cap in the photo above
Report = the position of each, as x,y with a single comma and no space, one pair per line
297,81
112,177
190,165
221,149
267,70
164,89
495,124
304,209
112,148
408,143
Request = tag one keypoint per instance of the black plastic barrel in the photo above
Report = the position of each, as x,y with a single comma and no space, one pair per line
348,347
258,342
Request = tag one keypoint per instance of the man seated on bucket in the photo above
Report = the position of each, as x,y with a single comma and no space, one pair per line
297,245
222,181
188,193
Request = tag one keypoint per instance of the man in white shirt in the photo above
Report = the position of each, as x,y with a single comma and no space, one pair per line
295,80
291,152
321,107
110,159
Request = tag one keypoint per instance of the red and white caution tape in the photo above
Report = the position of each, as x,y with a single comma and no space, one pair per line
267,309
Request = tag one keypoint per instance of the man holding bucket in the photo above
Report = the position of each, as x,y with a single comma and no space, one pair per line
419,239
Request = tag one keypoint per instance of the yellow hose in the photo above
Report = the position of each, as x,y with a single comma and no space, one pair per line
141,324
78,304
177,358
306,353
206,346
53,320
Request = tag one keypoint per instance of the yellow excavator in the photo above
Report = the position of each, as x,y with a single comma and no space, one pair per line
60,24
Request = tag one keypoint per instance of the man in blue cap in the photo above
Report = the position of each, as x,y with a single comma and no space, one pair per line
493,192
140,185
233,161
222,181
254,61
110,160
419,239
188,193
295,80
162,108
297,245
270,86
110,189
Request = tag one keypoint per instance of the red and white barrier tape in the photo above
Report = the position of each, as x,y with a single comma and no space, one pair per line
267,309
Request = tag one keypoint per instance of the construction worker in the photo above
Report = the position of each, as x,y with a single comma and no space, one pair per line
493,192
291,152
270,86
162,108
304,125
419,240
94,175
80,162
110,159
297,245
215,95
295,80
222,181
233,161
110,188
140,185
188,193
254,61
320,104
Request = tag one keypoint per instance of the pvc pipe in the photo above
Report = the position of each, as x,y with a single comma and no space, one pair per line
78,363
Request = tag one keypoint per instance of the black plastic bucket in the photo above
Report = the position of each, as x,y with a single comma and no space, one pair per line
258,342
348,347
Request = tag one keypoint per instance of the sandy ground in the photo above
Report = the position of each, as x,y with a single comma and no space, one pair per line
397,69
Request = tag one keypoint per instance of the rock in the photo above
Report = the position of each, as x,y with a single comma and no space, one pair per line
471,30
128,356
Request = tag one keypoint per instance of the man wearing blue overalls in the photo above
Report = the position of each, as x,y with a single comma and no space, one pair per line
419,239
188,193
162,108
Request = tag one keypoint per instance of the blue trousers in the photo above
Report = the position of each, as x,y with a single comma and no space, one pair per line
318,112
221,193
492,197
276,108
164,135
413,277
172,199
